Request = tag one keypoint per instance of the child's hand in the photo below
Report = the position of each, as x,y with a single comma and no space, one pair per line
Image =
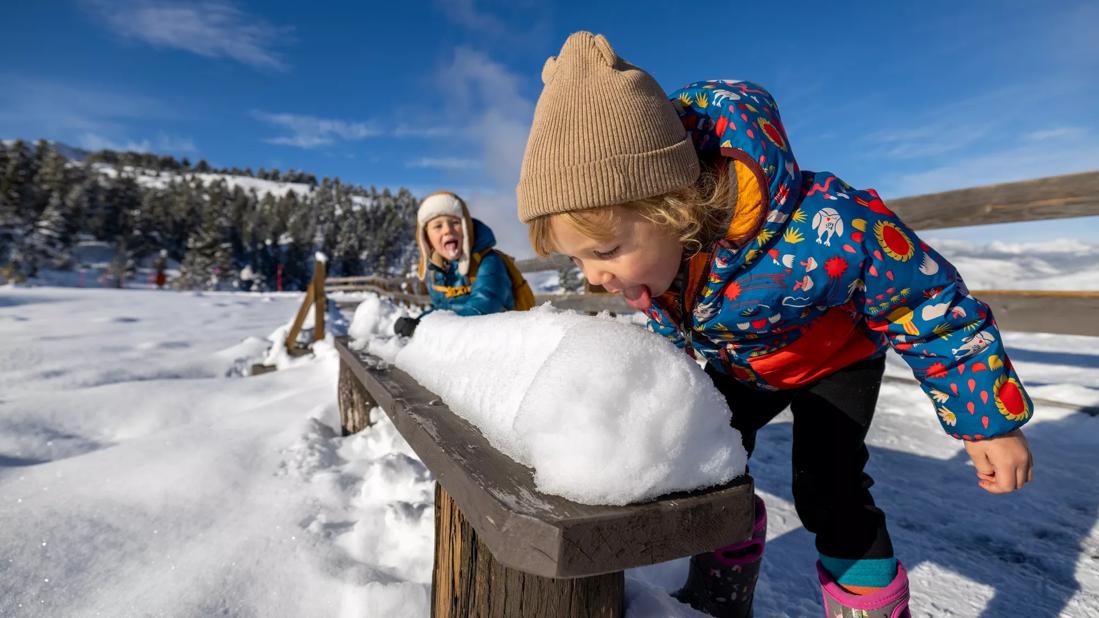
1004,463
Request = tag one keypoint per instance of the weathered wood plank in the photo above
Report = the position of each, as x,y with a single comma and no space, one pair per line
421,300
538,264
320,301
538,533
354,402
593,303
1055,197
1063,313
299,319
468,581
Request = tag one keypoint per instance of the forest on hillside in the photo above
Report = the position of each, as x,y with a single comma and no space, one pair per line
222,235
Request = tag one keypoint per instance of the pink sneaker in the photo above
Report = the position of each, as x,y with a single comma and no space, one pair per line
889,602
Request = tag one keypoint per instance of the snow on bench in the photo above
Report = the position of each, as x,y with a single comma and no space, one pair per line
501,542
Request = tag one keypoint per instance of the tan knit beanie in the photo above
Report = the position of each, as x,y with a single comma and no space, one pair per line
604,133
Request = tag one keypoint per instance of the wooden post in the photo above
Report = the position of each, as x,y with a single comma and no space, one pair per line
299,319
354,402
468,581
319,300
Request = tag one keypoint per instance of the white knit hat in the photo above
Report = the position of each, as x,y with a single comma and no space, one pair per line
438,204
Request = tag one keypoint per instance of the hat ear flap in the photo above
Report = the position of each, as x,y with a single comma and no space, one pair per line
467,241
421,243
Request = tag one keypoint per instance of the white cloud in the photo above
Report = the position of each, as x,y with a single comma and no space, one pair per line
957,125
465,13
1056,134
404,130
93,142
214,29
1018,162
446,163
166,144
311,131
54,108
488,98
86,116
928,140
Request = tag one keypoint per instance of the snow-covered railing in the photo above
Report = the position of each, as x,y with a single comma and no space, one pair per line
1061,312
504,548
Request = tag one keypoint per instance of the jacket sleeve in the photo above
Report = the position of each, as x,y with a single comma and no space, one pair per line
658,326
491,290
916,299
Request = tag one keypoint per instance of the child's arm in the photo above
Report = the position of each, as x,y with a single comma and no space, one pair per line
491,292
949,338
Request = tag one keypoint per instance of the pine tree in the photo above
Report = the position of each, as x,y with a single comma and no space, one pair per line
208,263
347,257
297,244
51,242
17,198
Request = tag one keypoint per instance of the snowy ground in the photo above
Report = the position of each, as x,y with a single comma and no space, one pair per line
141,474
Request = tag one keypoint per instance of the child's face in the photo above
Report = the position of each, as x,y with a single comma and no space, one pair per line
445,235
639,261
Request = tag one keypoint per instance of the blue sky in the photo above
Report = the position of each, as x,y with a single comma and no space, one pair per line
907,98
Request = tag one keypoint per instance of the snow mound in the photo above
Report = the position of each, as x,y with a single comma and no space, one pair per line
605,412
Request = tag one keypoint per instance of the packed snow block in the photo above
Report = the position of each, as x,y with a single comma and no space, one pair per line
603,411
537,533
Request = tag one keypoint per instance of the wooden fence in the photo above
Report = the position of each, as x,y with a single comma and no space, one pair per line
1061,312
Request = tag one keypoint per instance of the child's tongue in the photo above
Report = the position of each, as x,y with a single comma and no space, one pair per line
638,297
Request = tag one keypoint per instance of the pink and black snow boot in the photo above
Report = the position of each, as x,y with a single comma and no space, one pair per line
889,602
722,583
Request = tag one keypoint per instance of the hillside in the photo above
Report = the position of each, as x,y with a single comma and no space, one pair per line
223,228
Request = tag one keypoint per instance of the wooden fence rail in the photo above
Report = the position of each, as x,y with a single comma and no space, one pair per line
1056,197
1062,312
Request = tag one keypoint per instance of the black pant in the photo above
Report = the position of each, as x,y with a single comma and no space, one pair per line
831,417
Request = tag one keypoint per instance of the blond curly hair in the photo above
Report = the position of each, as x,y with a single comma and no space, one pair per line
698,214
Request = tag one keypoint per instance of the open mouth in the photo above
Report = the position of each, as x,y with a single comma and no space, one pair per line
450,246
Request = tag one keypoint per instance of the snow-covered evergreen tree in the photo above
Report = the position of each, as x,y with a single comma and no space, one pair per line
50,243
208,263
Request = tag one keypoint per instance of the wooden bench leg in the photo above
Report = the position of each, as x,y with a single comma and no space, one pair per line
467,580
354,402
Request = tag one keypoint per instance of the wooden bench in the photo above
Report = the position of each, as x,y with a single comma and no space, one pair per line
502,548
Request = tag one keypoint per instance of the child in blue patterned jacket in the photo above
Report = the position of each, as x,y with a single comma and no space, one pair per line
789,284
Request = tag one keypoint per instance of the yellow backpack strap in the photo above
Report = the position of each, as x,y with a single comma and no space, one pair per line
475,262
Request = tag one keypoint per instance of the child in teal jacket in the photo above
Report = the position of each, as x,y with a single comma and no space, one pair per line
457,262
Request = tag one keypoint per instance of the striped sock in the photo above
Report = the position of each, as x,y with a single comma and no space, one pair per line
860,576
